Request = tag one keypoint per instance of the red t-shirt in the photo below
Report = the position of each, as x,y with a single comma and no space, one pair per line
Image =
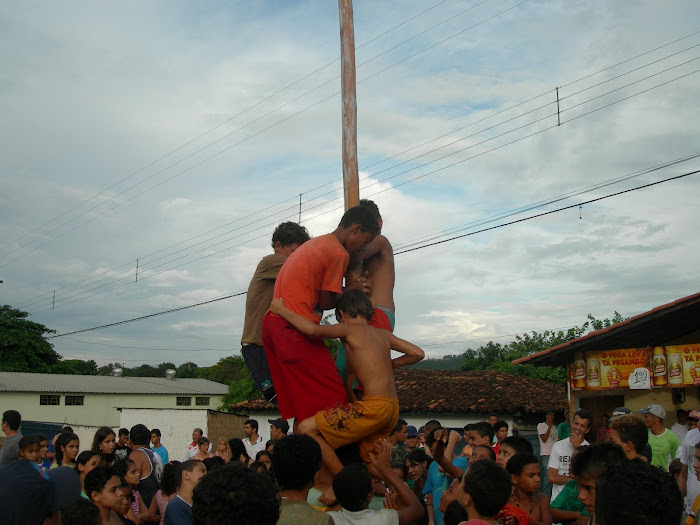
318,264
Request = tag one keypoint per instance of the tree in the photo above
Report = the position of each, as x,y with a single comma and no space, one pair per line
75,367
23,345
228,369
239,390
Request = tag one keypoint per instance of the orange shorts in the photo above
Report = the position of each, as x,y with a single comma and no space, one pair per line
364,422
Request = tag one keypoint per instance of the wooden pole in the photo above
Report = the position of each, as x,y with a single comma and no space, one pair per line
351,183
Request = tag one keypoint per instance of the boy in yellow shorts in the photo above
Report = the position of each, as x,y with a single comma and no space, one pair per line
369,361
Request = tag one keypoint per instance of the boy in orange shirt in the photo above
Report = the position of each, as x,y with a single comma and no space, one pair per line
305,377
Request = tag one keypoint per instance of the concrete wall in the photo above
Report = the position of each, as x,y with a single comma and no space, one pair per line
98,409
224,424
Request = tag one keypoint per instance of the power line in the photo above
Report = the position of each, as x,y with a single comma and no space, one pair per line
155,349
129,265
510,223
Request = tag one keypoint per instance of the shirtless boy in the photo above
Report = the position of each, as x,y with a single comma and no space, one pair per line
369,356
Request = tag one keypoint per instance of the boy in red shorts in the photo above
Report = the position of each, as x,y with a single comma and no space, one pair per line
305,377
369,356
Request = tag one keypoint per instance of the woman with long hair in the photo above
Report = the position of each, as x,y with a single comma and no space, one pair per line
104,443
238,451
67,447
223,450
84,463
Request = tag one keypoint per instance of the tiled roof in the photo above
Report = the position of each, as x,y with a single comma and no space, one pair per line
456,392
655,327
60,383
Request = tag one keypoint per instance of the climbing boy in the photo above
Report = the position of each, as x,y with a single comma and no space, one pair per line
369,356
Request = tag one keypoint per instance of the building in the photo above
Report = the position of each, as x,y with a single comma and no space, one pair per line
455,398
653,357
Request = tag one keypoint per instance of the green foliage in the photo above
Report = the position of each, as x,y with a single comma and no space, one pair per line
239,390
76,367
23,346
228,369
495,356
331,344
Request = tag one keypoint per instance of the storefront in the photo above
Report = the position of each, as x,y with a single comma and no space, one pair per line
653,357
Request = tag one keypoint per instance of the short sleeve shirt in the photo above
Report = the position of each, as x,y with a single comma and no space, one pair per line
259,296
317,265
546,446
560,459
365,517
687,458
663,448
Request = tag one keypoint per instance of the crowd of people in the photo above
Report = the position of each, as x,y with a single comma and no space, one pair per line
349,457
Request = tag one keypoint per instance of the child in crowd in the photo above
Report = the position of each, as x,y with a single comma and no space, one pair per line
484,491
29,448
442,470
416,463
500,430
369,360
567,509
480,433
512,446
179,510
43,460
455,514
167,491
213,462
102,486
129,472
104,443
82,512
124,510
589,465
483,452
67,448
525,504
86,461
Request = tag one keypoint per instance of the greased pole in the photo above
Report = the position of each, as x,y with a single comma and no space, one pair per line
351,183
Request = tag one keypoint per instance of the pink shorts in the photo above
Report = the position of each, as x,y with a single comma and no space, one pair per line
305,377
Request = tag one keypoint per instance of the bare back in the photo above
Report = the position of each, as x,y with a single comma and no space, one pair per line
369,356
381,271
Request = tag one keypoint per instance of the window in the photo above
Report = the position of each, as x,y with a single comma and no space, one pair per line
201,401
49,399
184,401
75,400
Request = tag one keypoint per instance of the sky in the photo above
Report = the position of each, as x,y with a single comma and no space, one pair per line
179,134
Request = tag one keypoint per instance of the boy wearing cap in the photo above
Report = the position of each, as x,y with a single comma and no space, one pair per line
663,442
412,441
278,428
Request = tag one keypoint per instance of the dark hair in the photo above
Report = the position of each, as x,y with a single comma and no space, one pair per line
269,442
399,424
84,457
26,441
170,478
582,413
97,478
67,429
492,452
634,492
354,303
518,462
197,429
123,432
156,431
631,429
519,444
455,514
82,512
289,233
351,486
681,411
202,441
41,437
362,216
483,429
416,456
372,206
257,466
592,462
296,461
430,425
468,427
675,467
213,463
140,435
488,485
186,466
430,437
121,466
63,439
492,414
235,494
238,448
263,453
499,425
253,424
12,418
102,434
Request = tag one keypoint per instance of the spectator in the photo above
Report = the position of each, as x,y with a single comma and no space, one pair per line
253,442
500,430
223,451
564,428
104,444
168,489
562,450
67,448
547,435
85,463
455,514
633,492
265,458
480,434
137,509
213,463
296,463
43,460
239,452
193,448
412,441
525,501
157,446
11,420
150,470
493,419
483,452
102,486
687,481
278,428
234,495
431,425
437,480
511,446
179,510
484,491
397,440
416,467
82,512
602,434
680,427
630,433
663,442
29,448
122,448
203,449
567,509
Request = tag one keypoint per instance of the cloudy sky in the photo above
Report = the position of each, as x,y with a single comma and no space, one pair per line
179,134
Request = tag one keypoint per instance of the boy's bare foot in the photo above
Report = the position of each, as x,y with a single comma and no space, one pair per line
328,497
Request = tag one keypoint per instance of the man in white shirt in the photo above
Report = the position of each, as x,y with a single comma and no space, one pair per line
253,442
680,427
560,456
688,481
192,449
547,433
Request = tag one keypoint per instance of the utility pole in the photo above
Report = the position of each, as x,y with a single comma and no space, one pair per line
351,182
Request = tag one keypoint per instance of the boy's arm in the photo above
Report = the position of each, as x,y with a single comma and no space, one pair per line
305,326
412,353
439,454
